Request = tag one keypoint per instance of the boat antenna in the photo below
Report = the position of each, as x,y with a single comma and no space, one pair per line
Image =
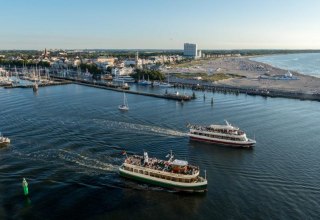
171,156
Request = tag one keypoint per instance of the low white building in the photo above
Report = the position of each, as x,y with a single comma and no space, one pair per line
122,71
106,61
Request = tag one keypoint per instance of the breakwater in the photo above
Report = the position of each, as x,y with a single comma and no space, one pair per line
55,83
112,87
248,91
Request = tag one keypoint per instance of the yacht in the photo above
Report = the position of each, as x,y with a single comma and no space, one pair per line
174,174
4,140
144,82
162,84
123,79
220,134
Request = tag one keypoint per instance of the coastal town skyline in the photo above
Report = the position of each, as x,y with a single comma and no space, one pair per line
160,24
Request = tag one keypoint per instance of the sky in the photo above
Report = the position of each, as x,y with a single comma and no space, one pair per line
159,24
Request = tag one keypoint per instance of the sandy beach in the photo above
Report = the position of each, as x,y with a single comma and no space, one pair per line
256,76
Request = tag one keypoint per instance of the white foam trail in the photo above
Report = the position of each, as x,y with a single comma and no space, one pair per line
73,157
141,128
86,161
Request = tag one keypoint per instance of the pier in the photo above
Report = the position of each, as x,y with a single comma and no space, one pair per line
248,91
118,88
164,96
55,83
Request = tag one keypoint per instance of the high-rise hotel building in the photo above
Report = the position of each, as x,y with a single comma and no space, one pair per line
191,50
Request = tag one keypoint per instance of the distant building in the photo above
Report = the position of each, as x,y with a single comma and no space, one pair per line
45,53
122,71
199,53
106,60
191,50
137,60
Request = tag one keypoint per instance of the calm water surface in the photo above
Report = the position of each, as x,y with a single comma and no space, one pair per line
305,63
67,141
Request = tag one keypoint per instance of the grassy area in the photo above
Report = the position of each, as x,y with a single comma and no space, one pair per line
189,64
214,77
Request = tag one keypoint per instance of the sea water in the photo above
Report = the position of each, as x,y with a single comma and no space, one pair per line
304,63
67,141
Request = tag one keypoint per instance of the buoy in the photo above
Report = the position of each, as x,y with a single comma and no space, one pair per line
25,187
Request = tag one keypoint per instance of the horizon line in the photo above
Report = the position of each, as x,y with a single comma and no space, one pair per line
137,49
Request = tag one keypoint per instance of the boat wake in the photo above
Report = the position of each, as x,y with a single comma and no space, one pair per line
139,128
86,161
73,158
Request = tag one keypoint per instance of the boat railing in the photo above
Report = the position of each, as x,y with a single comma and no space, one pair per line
194,174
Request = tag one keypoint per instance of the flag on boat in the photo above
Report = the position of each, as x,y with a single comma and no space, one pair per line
124,152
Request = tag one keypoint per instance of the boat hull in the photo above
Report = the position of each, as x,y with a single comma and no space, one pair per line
223,142
193,187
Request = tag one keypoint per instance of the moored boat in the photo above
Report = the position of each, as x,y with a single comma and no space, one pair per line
173,174
220,134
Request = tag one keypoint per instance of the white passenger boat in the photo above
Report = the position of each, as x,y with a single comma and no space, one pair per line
220,134
173,174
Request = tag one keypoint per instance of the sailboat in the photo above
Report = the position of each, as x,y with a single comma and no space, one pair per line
35,87
163,84
124,106
144,82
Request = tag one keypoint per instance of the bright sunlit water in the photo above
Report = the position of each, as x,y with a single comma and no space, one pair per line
305,63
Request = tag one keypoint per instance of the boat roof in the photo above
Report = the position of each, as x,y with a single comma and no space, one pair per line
179,162
226,127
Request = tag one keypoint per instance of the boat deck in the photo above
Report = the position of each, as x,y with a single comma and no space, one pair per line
161,165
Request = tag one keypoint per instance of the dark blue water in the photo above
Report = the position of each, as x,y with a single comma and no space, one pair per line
67,142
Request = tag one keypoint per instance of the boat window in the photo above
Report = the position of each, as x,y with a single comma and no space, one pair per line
140,171
136,171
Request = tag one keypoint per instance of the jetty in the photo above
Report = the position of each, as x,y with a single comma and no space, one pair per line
275,93
54,83
164,96
123,88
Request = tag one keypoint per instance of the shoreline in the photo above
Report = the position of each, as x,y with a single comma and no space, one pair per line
306,87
